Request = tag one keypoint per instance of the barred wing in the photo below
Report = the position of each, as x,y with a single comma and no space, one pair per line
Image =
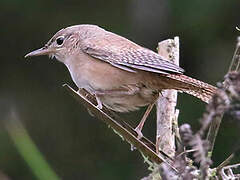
124,54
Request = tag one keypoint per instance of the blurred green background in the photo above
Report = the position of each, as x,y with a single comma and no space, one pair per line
76,145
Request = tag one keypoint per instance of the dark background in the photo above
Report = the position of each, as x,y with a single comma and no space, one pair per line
76,145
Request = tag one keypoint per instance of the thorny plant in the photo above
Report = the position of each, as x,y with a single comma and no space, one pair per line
199,146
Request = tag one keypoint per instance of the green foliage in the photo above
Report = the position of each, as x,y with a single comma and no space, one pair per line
29,152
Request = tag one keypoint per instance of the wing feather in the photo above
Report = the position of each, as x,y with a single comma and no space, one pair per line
124,54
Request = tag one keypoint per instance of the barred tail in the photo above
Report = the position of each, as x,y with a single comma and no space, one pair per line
193,86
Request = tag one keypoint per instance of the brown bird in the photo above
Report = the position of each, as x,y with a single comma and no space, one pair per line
121,74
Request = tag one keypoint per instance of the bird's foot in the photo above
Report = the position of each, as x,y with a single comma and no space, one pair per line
78,91
99,103
139,133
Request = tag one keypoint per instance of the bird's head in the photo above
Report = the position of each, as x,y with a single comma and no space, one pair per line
66,42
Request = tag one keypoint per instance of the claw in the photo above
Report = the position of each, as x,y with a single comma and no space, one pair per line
139,133
99,106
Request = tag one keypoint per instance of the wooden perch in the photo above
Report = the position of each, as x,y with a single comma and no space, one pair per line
167,115
125,131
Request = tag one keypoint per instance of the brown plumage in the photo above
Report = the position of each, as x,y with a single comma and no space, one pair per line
122,74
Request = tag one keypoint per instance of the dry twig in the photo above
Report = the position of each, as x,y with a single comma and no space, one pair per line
125,131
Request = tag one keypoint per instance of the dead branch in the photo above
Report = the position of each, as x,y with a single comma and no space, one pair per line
125,131
167,115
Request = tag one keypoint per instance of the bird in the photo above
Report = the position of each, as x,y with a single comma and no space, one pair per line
122,75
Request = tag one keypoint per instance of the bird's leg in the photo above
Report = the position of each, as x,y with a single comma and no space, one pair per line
99,103
139,127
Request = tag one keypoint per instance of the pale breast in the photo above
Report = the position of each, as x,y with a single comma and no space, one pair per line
94,74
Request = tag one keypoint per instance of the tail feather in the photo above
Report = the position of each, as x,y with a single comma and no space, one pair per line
194,87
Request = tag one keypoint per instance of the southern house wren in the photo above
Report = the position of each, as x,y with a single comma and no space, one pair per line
122,75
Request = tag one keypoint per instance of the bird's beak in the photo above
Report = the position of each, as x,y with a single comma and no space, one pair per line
39,52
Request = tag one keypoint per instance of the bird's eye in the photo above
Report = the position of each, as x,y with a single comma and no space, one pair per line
60,40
